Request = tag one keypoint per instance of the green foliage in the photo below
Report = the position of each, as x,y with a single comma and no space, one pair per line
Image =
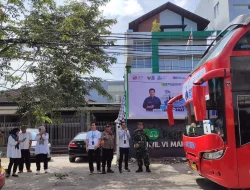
156,27
59,46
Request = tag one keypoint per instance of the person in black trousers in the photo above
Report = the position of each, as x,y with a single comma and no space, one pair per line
92,148
124,137
108,149
25,149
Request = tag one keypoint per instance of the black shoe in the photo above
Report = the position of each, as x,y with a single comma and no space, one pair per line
139,170
147,169
103,172
110,171
120,170
7,175
127,170
14,175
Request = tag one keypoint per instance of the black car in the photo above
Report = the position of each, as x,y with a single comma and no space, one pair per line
77,147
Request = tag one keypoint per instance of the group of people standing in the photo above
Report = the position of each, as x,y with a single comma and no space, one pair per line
95,139
19,146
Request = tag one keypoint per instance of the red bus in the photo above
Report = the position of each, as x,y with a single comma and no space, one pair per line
217,98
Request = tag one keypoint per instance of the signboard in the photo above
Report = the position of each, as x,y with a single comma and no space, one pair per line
149,95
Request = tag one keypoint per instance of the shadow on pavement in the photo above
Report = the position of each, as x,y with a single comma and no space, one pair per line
206,184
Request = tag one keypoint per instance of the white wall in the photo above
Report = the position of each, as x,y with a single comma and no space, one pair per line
190,25
228,11
168,17
205,9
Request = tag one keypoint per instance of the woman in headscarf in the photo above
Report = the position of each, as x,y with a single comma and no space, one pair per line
13,151
42,149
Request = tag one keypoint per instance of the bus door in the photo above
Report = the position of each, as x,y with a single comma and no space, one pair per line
241,100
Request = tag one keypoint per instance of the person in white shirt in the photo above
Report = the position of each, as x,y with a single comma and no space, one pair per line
13,151
25,149
124,137
93,140
42,149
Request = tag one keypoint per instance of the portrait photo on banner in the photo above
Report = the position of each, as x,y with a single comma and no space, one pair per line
149,95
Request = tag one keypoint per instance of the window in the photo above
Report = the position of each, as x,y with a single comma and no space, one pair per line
217,49
243,118
81,136
216,10
177,64
244,43
142,46
142,63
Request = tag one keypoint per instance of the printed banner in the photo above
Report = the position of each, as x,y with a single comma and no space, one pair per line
149,95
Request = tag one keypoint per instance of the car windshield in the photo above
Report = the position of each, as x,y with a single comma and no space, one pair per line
33,134
81,136
217,49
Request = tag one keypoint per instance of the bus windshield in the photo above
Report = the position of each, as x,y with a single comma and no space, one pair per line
217,49
215,120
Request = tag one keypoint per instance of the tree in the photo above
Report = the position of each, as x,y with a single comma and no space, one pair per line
156,27
59,47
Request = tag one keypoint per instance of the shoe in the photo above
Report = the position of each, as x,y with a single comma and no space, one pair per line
99,171
127,170
147,169
14,175
20,172
103,172
91,173
120,170
29,170
110,171
37,172
46,171
139,170
7,175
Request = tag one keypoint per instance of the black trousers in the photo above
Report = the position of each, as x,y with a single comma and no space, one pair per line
25,159
123,153
39,159
94,154
15,162
107,157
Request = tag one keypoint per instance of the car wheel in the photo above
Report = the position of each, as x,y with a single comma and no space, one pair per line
72,159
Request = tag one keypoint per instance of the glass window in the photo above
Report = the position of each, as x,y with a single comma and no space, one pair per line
81,136
142,46
175,65
188,65
182,64
244,122
142,63
244,43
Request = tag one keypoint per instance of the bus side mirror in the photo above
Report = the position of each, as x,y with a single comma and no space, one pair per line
199,101
170,114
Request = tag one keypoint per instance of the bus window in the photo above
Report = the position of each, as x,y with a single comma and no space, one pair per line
243,117
244,43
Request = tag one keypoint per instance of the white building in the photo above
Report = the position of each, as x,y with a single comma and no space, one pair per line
221,12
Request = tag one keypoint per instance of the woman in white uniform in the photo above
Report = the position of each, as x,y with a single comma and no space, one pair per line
13,151
42,149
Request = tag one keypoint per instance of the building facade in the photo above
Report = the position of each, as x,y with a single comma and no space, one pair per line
221,12
159,62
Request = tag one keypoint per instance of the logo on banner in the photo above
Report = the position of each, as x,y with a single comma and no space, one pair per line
151,78
153,134
137,77
171,84
178,77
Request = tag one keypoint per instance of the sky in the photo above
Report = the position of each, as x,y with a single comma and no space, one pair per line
126,11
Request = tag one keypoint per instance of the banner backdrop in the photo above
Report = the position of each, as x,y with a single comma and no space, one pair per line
149,95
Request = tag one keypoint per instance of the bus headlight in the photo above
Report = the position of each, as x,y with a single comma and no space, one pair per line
213,155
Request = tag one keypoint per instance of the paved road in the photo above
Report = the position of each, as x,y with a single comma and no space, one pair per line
169,177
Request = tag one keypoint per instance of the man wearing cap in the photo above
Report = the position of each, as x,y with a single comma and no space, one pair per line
140,139
107,149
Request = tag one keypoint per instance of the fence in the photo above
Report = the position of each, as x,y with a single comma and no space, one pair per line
60,133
